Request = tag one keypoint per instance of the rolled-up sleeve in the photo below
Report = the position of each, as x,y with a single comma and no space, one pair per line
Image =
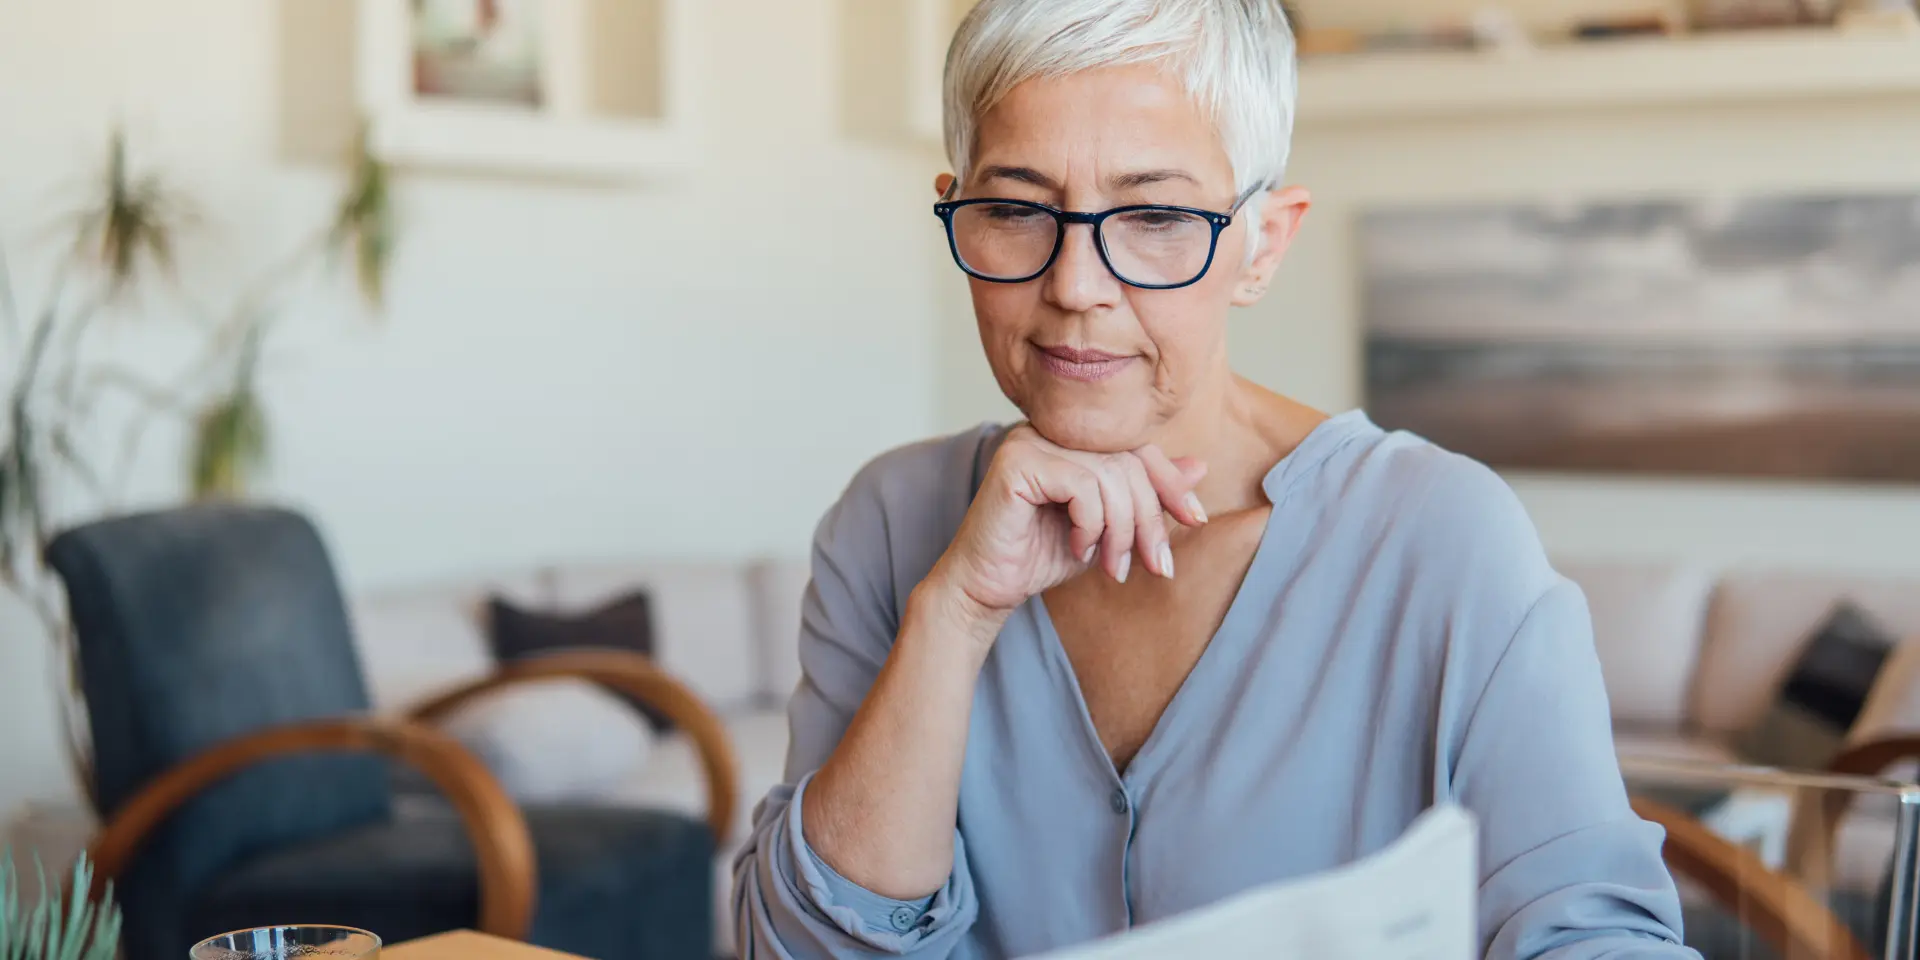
787,901
791,903
1568,871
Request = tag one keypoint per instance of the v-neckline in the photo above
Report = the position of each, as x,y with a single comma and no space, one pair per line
1328,436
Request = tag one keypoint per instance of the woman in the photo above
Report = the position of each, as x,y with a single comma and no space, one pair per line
1175,635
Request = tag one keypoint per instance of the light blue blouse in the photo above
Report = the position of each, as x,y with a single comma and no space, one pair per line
1400,639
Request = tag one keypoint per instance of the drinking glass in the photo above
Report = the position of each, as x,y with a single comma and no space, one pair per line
287,943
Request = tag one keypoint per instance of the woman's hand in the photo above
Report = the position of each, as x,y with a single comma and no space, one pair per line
1045,514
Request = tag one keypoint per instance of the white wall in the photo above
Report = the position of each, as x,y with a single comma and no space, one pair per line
1305,340
689,367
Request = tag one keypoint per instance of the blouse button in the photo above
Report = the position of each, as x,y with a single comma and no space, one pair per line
904,918
1119,800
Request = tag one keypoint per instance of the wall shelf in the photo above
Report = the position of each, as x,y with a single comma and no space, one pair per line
1728,68
1701,70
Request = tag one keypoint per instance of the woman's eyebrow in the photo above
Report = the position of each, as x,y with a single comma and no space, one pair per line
1116,183
1026,175
1142,178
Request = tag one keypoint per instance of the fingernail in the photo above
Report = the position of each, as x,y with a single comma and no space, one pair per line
1193,506
1166,561
1088,556
1126,560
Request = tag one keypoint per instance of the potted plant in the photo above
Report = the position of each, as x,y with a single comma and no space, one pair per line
54,468
52,930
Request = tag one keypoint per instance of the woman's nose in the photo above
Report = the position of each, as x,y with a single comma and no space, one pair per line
1079,280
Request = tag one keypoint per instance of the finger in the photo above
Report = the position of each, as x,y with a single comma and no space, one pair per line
1149,523
1116,545
1049,480
1173,482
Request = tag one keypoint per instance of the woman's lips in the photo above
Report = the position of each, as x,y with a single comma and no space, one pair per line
1086,366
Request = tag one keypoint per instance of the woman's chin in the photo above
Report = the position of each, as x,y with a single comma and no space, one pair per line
1090,428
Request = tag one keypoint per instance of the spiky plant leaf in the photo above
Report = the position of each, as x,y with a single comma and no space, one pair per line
9,908
229,445
78,930
6,532
133,221
68,452
364,221
20,504
13,544
9,307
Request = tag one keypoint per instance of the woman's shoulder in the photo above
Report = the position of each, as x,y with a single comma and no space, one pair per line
1408,475
1447,517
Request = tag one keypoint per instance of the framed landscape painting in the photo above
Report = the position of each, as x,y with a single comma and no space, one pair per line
1769,337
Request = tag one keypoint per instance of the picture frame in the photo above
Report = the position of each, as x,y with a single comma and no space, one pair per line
1757,336
577,115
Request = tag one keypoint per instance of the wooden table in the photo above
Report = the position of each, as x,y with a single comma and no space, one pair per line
467,945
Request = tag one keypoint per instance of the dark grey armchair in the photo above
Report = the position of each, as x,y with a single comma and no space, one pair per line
242,783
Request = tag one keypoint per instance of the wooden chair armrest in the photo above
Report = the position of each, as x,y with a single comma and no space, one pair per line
501,843
1774,904
641,679
1811,839
1872,758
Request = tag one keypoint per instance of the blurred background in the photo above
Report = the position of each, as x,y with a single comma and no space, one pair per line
492,292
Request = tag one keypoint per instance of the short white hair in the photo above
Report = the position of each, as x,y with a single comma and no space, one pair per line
1235,58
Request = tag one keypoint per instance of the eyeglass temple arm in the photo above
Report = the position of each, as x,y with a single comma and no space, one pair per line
1249,195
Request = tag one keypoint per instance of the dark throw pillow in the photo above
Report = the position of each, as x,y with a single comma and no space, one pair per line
1825,690
625,624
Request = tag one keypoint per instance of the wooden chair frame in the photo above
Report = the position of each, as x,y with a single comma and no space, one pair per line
1811,840
502,843
1775,904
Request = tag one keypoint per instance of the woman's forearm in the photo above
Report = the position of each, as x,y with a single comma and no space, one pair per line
881,810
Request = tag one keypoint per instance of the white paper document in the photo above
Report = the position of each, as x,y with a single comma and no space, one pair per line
1414,900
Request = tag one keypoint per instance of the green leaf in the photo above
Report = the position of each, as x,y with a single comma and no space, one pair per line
42,921
9,908
364,221
9,524
133,221
69,453
80,929
229,445
72,935
9,307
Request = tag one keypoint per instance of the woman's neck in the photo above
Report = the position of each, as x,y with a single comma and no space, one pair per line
1240,429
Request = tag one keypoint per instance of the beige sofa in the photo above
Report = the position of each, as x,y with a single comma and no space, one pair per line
1692,661
729,631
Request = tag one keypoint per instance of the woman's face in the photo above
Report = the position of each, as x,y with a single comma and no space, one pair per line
1096,364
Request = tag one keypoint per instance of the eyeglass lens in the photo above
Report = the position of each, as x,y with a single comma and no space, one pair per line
1006,241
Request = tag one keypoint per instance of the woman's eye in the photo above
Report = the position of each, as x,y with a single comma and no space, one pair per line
1158,218
1009,212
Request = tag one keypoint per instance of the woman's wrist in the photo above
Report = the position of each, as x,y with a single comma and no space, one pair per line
939,608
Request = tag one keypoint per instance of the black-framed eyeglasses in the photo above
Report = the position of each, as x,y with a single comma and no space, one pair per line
1150,245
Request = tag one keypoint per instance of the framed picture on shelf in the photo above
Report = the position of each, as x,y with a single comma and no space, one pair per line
583,89
477,51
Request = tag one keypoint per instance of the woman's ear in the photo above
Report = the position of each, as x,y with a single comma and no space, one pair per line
1280,214
942,183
